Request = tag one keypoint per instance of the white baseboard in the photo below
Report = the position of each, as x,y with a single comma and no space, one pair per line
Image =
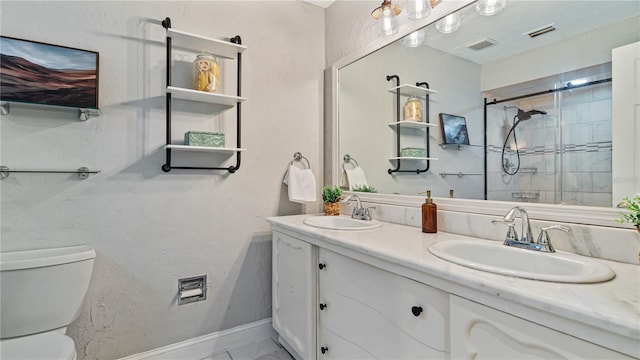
211,344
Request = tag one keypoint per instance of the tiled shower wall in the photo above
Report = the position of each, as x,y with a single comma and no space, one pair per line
565,155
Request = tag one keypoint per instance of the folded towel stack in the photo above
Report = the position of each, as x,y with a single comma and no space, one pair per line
301,184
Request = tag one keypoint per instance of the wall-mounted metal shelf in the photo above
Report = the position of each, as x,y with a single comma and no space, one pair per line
411,124
458,146
82,172
420,89
231,49
458,174
203,148
84,114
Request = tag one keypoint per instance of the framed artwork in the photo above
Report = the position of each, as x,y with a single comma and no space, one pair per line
39,73
454,129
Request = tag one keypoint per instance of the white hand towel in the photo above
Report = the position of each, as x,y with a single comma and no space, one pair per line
302,185
356,177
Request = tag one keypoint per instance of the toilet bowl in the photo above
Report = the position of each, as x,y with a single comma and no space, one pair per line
46,346
42,292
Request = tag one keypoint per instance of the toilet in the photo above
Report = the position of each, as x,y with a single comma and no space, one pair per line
42,292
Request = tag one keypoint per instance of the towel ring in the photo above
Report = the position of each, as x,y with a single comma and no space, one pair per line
347,160
299,157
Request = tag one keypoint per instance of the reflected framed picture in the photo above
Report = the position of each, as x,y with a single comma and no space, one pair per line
454,129
38,73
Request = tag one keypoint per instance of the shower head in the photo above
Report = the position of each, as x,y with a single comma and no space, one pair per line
526,115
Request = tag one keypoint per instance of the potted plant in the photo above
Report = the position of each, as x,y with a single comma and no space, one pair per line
331,197
633,212
365,188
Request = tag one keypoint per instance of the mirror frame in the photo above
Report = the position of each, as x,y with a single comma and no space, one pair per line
599,216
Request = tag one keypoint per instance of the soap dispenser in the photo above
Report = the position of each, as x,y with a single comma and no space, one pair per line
429,215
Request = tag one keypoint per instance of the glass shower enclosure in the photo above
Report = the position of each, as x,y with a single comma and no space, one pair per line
549,140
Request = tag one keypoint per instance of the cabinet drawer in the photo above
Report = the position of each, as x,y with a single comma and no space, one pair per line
480,332
370,313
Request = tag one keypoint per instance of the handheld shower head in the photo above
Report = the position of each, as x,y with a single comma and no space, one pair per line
526,115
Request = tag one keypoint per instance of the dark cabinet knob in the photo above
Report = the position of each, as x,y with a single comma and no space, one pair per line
323,306
324,349
322,266
416,310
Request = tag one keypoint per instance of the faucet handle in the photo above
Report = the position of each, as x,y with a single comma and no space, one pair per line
545,241
512,235
367,212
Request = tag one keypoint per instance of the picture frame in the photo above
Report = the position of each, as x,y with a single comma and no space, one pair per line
39,73
454,129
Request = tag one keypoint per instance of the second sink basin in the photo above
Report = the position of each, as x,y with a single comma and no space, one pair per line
492,256
341,223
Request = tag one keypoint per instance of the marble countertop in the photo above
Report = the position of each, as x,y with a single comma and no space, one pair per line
612,306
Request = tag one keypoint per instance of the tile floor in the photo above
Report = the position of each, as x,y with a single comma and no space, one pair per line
267,349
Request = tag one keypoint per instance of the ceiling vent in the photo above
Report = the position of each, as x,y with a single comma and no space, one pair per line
482,44
541,31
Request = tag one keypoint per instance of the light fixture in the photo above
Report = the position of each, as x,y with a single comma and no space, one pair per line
414,39
386,16
576,82
418,9
449,24
490,7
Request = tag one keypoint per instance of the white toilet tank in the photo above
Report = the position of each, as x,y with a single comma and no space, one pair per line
42,290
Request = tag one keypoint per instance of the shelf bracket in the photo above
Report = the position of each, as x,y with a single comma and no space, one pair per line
4,108
86,114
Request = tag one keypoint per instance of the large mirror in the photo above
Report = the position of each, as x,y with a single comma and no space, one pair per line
526,99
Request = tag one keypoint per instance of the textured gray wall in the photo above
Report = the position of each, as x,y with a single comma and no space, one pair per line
150,228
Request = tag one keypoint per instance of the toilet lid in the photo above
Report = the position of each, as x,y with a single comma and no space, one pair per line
46,346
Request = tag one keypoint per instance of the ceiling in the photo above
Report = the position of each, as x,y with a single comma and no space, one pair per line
321,3
509,28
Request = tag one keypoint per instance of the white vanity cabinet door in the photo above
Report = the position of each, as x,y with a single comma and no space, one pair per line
480,332
366,313
294,285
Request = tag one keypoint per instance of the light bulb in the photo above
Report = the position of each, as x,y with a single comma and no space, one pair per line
490,7
418,9
388,23
449,24
414,39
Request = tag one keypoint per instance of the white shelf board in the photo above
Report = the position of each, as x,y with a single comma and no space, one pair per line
203,96
412,158
412,90
412,124
221,48
203,148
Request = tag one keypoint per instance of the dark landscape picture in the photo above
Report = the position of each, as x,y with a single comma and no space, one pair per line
454,129
33,72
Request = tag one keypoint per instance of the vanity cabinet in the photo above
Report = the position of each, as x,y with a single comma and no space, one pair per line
329,304
294,283
480,332
366,312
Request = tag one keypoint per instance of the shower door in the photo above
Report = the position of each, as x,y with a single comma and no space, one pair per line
553,147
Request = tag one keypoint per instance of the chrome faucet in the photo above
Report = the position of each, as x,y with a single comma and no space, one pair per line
359,212
543,242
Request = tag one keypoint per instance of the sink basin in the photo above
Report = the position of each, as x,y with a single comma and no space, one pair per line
341,223
492,256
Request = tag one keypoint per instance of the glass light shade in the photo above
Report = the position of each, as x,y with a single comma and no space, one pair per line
388,22
414,39
449,24
490,7
418,9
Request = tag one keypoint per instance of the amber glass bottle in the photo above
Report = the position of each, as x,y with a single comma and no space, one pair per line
429,215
